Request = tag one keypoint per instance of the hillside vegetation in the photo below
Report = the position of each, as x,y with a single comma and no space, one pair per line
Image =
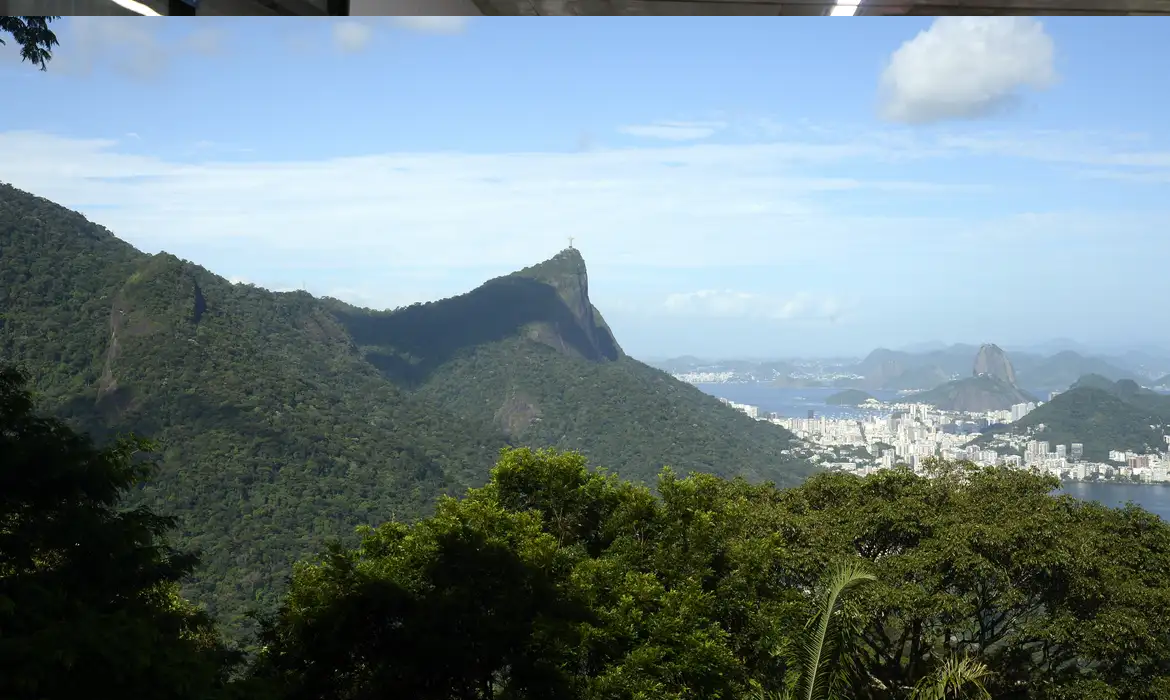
555,580
849,397
1100,414
976,394
284,420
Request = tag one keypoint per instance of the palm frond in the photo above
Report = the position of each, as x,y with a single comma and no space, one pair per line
818,678
951,677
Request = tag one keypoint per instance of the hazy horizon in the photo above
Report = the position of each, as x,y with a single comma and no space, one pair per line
994,178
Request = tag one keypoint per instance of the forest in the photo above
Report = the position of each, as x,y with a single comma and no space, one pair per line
1100,414
283,420
558,580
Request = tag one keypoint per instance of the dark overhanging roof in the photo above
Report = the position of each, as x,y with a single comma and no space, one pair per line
821,7
634,7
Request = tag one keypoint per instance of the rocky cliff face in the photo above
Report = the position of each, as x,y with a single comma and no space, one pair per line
993,362
565,272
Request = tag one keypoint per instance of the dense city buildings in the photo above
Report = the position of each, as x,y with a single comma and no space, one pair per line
885,435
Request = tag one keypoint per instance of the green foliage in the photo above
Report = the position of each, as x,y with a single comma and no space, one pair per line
979,584
826,665
1101,415
34,36
88,590
284,421
703,590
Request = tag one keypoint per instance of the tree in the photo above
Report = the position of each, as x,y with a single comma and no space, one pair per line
465,604
89,601
1063,598
34,36
828,659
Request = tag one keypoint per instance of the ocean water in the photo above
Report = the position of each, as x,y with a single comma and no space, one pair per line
1151,497
796,403
790,403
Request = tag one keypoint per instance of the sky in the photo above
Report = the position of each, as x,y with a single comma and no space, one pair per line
737,186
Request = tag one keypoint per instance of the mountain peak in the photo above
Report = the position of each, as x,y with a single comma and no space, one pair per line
993,362
566,263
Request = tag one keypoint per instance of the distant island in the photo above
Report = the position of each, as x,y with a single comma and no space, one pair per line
849,397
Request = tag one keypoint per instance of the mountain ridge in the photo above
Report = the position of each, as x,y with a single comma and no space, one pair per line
284,420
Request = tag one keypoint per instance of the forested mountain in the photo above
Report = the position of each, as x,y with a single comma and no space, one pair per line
283,419
1100,414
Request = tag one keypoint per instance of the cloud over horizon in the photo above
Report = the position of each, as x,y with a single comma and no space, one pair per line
730,303
666,206
674,131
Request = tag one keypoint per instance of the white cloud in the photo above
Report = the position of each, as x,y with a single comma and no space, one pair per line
352,35
674,131
729,303
669,206
964,67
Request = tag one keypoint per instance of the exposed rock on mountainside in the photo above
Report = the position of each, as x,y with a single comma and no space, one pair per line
284,420
991,388
993,362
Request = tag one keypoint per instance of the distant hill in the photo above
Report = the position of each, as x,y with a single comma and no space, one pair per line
849,397
898,370
1064,368
990,388
284,420
1096,418
1101,415
976,394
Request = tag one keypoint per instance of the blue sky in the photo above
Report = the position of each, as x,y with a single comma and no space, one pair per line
738,186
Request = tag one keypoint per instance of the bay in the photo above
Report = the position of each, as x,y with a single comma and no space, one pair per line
1154,498
796,403
791,403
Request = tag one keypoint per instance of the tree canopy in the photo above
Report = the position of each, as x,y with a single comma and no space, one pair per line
557,581
89,599
283,420
33,35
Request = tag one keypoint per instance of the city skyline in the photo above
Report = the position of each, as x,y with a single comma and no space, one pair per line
997,178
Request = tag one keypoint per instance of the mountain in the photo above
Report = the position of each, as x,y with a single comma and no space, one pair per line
974,394
283,420
1064,368
993,362
897,370
1102,416
1129,391
849,397
990,388
925,346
